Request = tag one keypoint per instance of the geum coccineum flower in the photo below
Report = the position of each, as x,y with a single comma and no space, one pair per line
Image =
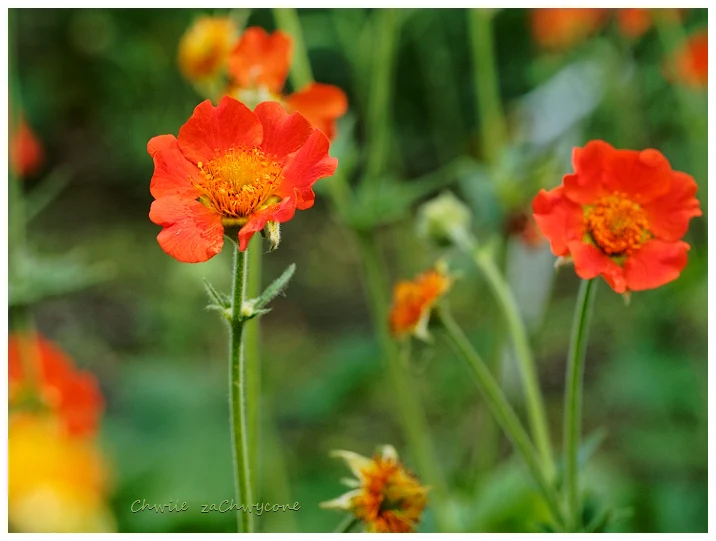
689,65
385,496
70,395
25,151
231,167
621,215
258,67
559,29
205,46
413,302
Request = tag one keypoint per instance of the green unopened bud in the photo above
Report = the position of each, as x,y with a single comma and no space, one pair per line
272,233
444,220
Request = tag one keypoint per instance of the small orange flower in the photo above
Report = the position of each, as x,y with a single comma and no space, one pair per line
204,47
386,497
559,29
635,22
72,395
413,302
259,65
690,63
56,482
231,167
26,154
621,215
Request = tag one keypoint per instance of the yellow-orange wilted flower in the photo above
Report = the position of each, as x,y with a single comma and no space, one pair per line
413,302
57,482
204,47
385,496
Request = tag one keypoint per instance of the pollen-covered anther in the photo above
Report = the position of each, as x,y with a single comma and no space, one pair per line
239,182
617,224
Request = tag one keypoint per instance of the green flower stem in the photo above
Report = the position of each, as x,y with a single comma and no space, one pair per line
300,76
410,411
237,393
346,525
252,344
573,396
378,121
493,131
525,360
502,410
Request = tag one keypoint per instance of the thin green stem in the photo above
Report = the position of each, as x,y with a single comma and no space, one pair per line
252,343
573,397
525,360
237,393
378,121
493,131
502,410
410,411
346,525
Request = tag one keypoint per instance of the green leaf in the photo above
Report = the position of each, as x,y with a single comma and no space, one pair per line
275,288
221,300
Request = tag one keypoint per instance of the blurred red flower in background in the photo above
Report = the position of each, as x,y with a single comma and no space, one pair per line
25,153
559,29
689,65
231,167
205,46
413,301
621,215
259,65
72,395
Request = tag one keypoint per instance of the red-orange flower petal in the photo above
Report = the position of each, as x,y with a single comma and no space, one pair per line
690,63
283,134
655,264
72,395
173,173
279,212
260,59
192,232
634,22
321,104
669,215
230,125
305,167
621,215
560,219
25,152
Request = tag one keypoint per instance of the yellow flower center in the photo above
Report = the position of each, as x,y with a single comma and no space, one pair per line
239,183
617,224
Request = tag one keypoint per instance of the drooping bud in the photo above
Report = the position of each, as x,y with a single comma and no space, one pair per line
444,220
272,233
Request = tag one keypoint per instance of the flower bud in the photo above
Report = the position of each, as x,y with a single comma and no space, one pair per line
444,220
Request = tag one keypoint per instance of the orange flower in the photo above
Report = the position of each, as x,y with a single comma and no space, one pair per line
56,482
25,153
386,497
635,22
413,303
558,29
205,46
259,65
231,167
72,395
621,215
690,63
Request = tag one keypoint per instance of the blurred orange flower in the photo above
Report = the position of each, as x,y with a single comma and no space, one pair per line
72,395
386,497
689,65
413,302
621,215
231,167
259,65
635,22
25,153
205,46
558,29
56,482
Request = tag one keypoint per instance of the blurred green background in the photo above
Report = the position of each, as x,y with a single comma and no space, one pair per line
96,85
